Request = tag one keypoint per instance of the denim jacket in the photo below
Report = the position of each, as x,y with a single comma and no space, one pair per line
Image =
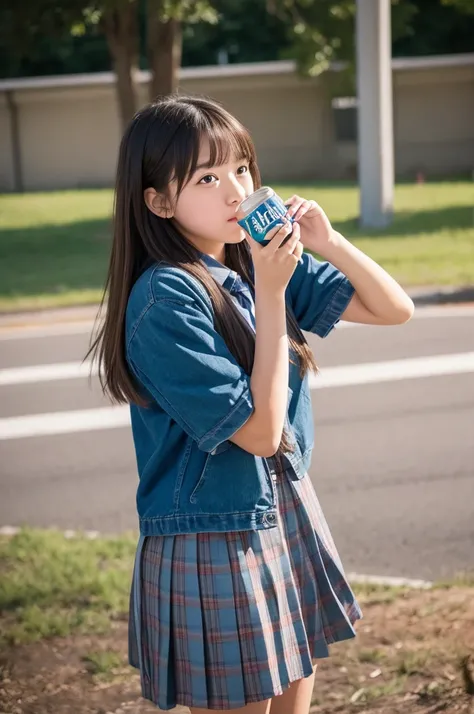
191,477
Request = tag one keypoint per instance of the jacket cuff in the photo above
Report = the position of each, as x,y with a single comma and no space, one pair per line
235,419
334,309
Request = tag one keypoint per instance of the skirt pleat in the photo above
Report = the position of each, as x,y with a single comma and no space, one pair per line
220,620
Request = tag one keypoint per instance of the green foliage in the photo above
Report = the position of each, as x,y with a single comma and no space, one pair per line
466,6
314,33
324,31
438,27
191,11
76,26
245,32
36,38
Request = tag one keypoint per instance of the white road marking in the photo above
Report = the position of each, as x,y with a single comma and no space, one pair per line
118,416
64,422
27,332
344,375
413,368
45,373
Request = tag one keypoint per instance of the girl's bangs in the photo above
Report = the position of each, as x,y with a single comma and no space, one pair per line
225,139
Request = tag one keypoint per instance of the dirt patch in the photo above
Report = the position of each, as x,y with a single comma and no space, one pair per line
414,654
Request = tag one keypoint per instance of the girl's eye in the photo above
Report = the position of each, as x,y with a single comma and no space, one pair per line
242,170
207,179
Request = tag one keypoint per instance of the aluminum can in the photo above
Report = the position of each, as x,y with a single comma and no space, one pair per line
261,211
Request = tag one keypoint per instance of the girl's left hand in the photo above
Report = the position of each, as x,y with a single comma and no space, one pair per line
316,229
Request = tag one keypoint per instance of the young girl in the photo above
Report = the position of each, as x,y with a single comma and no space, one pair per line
238,588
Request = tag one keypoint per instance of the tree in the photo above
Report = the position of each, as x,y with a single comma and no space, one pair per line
30,22
118,21
24,26
324,31
35,36
165,19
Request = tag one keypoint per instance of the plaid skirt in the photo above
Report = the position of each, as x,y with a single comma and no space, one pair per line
219,620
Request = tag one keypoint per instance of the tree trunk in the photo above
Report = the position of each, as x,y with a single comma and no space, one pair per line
164,45
121,31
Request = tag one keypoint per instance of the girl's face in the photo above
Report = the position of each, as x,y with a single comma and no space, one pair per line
205,210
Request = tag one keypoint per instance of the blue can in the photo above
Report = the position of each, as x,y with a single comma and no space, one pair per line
262,211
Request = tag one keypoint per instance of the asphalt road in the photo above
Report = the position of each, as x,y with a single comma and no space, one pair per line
393,463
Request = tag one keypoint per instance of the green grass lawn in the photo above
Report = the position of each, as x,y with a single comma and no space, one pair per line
54,246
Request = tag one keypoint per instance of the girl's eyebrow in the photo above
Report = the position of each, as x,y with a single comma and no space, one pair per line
203,165
207,164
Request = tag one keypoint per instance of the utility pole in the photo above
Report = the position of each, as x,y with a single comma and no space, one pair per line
375,119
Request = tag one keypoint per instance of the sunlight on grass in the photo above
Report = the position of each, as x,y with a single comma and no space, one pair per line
54,208
54,247
52,585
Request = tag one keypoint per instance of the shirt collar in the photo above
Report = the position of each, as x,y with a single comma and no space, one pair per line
226,277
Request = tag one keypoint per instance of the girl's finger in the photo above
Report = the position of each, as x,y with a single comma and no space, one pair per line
276,229
298,251
293,240
304,208
254,244
291,201
277,235
295,206
281,236
287,247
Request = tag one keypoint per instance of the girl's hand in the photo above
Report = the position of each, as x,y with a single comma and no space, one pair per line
316,229
275,263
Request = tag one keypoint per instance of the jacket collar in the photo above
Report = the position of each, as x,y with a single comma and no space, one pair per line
229,279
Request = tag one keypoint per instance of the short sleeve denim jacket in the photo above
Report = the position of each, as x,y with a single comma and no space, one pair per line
191,477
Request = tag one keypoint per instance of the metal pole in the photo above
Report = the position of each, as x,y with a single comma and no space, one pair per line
375,120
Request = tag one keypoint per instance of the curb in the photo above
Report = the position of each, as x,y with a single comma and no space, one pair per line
441,295
78,314
88,313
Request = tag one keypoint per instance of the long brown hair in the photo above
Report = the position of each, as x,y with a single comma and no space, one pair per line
162,144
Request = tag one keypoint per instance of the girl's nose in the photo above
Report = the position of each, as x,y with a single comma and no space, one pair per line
235,191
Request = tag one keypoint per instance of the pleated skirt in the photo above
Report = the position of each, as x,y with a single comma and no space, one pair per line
220,620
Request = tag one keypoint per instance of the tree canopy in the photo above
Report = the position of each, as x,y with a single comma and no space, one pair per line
41,37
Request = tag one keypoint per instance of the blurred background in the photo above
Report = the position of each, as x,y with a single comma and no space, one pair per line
366,107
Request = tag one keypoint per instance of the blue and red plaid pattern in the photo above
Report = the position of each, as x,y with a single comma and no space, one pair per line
219,620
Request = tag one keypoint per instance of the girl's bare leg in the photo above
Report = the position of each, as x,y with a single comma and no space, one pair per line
297,698
294,700
255,708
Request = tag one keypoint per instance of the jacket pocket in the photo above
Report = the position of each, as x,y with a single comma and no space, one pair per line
208,464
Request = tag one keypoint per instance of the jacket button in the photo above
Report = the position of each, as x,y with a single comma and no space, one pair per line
269,518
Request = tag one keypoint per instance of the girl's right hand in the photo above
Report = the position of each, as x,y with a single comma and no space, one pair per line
275,263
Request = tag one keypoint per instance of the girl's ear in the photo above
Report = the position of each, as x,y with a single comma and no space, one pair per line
157,203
